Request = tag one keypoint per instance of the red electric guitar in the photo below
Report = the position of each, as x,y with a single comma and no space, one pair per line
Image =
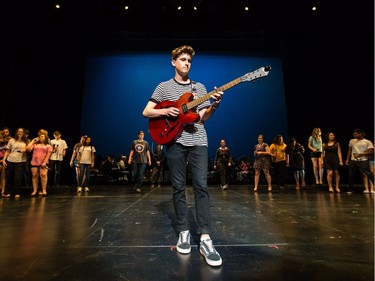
165,129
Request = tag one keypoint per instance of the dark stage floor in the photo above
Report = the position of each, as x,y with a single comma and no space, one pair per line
113,234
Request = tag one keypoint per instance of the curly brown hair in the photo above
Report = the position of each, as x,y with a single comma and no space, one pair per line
184,49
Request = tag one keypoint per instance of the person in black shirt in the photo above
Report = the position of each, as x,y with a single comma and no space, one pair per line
222,162
332,157
139,157
296,161
157,159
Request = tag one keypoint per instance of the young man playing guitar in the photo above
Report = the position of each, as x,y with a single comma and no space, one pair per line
187,145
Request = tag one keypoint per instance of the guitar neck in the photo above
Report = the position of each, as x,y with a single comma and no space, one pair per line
207,96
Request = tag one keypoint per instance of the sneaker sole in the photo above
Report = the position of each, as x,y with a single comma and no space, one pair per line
183,251
210,262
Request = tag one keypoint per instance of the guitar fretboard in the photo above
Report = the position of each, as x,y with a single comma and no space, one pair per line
207,96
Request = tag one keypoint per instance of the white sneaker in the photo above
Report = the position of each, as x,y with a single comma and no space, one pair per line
79,189
183,243
87,189
207,249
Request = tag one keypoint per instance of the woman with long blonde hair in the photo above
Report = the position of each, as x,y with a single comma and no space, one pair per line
316,148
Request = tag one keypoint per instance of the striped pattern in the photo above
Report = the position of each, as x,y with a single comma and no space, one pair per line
193,134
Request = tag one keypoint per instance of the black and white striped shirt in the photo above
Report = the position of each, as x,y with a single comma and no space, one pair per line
192,134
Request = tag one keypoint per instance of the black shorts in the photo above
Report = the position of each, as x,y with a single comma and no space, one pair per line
315,154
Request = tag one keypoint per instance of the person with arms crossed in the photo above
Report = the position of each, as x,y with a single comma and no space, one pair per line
191,146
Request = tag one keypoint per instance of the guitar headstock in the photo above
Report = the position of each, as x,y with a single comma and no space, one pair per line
256,74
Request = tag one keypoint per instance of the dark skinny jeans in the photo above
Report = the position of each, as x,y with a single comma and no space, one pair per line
196,157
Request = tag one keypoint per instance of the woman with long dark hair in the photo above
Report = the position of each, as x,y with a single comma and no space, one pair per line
332,161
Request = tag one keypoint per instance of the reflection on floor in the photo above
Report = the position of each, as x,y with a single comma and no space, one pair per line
111,233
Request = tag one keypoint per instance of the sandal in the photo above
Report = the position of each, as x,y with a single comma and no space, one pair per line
5,195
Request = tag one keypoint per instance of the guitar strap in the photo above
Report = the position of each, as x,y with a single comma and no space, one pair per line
193,88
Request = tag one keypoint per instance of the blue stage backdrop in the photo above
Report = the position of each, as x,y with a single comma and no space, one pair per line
117,88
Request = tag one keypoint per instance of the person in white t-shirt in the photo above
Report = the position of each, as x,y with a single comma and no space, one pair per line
14,163
59,148
86,158
358,159
74,158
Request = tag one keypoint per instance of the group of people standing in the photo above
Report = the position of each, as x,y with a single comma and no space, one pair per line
328,156
325,156
40,160
190,149
83,160
23,157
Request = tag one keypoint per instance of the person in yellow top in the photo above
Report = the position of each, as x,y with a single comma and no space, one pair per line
279,160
